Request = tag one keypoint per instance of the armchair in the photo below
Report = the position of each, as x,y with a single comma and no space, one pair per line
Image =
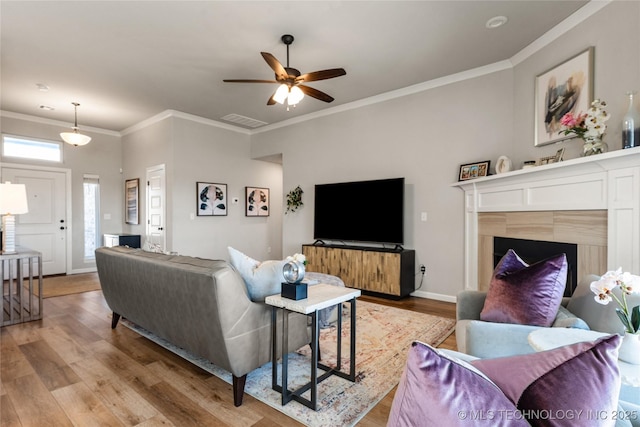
487,339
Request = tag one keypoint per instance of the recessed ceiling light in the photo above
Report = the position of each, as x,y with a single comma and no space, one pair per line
42,87
496,21
46,107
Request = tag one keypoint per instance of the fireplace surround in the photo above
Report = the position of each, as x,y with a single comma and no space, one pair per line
593,202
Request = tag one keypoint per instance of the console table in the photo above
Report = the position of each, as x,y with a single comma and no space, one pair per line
318,297
388,272
20,303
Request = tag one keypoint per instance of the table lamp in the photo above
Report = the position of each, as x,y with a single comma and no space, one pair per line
13,201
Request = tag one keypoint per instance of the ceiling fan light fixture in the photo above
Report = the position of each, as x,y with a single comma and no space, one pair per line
281,94
295,95
75,138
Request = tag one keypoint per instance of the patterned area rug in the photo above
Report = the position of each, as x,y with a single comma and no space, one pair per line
384,335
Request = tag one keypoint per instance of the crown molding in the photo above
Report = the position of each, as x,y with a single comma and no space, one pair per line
579,16
185,116
29,118
399,93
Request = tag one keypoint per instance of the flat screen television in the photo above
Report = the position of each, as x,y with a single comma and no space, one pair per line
362,211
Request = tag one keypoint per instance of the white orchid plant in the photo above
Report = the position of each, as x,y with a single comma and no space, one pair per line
628,284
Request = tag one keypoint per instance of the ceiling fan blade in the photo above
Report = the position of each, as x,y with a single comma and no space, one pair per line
275,65
321,75
248,81
271,101
315,93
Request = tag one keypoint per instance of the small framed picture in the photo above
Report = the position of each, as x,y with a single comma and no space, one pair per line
551,159
566,88
474,170
257,201
211,199
131,194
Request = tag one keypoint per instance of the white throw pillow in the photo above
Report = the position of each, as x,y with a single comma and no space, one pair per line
262,278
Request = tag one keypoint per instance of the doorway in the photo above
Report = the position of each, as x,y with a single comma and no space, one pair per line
44,228
156,206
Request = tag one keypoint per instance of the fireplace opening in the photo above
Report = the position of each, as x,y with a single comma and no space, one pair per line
532,251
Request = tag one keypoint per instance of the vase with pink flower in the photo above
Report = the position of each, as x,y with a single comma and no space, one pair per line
589,126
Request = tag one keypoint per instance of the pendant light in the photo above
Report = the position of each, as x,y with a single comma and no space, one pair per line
75,138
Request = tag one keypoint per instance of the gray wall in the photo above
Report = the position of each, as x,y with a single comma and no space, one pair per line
102,157
425,137
614,32
201,151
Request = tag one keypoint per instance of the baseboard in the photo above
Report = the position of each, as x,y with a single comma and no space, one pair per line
432,295
83,270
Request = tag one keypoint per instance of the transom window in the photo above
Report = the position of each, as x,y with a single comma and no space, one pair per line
33,149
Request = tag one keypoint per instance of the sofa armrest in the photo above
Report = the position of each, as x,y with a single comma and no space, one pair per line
488,339
469,304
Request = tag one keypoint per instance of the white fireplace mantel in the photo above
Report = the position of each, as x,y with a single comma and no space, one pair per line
609,181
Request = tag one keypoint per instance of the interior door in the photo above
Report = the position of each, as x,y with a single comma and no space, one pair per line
44,227
156,211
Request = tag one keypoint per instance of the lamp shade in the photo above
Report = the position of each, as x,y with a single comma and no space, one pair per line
13,199
295,96
75,138
281,93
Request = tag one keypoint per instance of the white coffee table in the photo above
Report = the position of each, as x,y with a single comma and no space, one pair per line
318,297
550,338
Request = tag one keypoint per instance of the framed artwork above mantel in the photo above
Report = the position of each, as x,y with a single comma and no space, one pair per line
567,87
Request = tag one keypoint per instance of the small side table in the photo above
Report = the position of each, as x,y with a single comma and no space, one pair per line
19,307
318,297
549,338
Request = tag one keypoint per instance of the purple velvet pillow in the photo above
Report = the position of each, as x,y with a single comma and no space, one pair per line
566,386
436,390
525,294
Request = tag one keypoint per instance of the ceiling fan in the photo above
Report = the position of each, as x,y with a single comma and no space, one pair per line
291,81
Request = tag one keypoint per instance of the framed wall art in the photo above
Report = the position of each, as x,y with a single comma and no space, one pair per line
131,195
211,199
567,87
474,170
257,201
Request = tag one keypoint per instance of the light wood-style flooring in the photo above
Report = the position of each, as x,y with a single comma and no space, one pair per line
72,369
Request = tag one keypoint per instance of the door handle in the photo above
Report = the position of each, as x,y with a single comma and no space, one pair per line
160,228
62,228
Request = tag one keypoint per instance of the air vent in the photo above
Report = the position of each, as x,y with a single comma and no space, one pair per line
244,121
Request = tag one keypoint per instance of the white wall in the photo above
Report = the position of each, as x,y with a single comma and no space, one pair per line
102,157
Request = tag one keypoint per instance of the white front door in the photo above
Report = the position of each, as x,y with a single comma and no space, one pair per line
44,227
156,233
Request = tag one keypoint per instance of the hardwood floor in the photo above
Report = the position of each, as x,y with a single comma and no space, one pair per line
71,368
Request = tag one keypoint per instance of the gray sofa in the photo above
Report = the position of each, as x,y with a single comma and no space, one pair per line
198,304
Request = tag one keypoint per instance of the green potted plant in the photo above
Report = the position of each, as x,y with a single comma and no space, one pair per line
294,199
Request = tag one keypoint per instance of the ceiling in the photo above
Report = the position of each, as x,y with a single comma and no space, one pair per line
126,61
